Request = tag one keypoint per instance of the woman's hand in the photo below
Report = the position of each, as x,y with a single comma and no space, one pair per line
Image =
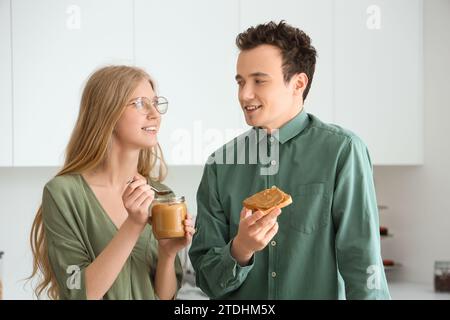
170,247
137,198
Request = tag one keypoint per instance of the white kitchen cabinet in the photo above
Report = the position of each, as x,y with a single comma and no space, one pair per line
315,18
368,75
56,45
6,138
378,76
188,48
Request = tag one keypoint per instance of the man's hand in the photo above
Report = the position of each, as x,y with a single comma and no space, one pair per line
254,233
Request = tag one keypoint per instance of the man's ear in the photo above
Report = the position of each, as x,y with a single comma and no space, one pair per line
300,83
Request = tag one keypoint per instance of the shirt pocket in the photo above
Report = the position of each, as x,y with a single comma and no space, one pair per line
308,211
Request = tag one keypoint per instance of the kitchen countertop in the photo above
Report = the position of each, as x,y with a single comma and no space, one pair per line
398,290
415,291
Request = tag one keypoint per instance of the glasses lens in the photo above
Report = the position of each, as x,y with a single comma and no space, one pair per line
141,105
162,105
144,105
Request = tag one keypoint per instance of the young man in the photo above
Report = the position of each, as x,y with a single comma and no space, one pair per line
326,244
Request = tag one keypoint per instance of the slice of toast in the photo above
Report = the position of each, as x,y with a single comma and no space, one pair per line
268,199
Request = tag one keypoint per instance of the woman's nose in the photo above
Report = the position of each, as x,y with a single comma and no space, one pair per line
153,115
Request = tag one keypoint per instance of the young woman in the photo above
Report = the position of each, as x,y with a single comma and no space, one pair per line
91,238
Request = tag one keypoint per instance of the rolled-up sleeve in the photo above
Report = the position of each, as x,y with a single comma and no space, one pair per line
355,216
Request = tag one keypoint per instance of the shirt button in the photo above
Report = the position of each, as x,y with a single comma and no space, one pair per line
274,274
272,139
273,162
273,243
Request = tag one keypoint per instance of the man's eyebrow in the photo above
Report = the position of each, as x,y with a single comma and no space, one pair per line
253,75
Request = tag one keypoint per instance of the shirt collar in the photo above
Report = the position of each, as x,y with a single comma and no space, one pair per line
291,128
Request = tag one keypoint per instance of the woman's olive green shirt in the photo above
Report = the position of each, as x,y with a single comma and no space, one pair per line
77,230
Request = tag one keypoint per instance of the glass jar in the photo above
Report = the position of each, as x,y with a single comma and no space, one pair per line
1,275
442,276
167,217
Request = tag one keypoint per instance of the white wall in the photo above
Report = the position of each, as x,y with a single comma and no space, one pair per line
20,192
20,195
418,197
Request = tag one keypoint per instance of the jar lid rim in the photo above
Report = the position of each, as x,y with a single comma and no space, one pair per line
170,199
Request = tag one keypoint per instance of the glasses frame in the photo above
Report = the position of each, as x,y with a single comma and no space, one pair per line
156,103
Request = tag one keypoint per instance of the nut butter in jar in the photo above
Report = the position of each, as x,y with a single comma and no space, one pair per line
167,217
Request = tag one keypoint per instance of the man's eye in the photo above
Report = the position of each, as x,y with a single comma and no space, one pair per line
239,83
259,81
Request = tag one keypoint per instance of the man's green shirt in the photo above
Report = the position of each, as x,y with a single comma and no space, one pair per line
328,243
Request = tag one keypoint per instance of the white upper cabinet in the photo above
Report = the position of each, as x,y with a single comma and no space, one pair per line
315,18
378,76
6,137
188,48
56,45
368,74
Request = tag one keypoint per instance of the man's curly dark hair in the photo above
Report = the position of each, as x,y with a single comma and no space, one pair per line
296,50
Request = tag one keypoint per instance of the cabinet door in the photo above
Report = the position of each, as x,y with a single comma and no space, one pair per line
315,18
188,48
6,137
57,44
378,76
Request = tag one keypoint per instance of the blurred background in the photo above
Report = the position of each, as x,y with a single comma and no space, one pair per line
383,71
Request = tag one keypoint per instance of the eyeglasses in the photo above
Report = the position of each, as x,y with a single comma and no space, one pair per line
144,105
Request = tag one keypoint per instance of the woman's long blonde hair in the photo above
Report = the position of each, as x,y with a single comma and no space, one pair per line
104,98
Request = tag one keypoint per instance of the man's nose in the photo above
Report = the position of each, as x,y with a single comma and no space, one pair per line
246,93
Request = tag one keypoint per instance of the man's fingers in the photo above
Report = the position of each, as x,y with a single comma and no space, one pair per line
245,213
254,217
273,213
267,225
263,225
266,219
272,232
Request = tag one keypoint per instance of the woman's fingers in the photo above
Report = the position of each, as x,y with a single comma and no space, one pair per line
145,188
189,229
145,196
189,224
187,239
138,192
132,186
146,204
